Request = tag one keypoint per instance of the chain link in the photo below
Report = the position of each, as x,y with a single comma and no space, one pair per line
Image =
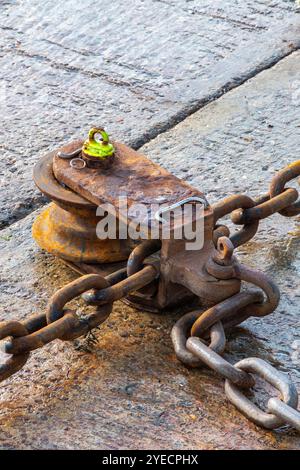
265,209
61,323
192,351
218,364
281,382
15,363
229,309
226,207
116,292
277,186
248,212
181,332
284,412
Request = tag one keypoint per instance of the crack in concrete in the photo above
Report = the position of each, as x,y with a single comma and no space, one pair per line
83,52
138,84
87,53
209,14
135,86
188,110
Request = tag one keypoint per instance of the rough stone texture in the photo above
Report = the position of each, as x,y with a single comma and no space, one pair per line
236,143
137,68
130,391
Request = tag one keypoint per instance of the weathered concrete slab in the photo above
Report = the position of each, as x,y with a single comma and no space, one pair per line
130,391
237,142
137,68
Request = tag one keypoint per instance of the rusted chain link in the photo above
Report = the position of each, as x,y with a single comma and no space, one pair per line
61,323
55,309
248,212
137,257
265,209
181,332
123,288
230,309
268,286
227,206
136,262
16,362
277,186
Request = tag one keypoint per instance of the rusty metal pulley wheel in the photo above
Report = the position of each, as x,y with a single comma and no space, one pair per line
67,228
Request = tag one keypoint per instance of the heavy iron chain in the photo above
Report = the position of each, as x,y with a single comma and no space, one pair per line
187,335
62,323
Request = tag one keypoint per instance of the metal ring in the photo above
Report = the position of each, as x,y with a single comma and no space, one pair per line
182,330
78,163
17,361
275,378
218,364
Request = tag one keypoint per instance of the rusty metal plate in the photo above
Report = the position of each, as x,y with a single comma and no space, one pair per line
131,175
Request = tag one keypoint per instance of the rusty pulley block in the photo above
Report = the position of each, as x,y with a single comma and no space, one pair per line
68,227
187,263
